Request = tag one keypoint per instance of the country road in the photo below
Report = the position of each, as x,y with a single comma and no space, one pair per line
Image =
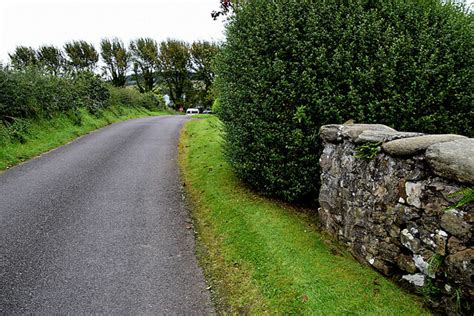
100,226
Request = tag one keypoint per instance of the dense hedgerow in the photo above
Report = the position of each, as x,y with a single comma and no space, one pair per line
289,66
131,97
32,94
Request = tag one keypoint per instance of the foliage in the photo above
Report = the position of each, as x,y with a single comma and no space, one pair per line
91,92
434,263
51,59
202,56
367,151
216,106
406,64
82,55
467,196
31,93
130,97
116,59
145,62
174,63
23,57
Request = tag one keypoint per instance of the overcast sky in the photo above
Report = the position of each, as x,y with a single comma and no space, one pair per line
37,22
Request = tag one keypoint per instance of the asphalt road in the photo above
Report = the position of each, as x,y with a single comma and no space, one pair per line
100,226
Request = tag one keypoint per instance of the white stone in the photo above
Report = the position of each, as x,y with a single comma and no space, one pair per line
417,279
429,242
371,261
413,192
414,231
401,200
407,234
442,233
422,265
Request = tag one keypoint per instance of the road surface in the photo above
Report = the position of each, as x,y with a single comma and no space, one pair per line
100,226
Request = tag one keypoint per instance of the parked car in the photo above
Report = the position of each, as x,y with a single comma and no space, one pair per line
207,112
192,111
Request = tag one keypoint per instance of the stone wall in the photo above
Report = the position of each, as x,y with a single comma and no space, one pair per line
393,209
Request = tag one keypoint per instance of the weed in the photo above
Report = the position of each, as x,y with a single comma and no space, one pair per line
467,197
434,263
367,151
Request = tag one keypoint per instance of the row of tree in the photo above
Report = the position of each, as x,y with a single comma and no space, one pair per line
179,69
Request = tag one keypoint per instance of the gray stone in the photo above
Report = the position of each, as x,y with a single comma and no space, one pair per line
453,160
455,245
413,145
453,222
330,133
408,240
460,265
406,263
376,136
352,131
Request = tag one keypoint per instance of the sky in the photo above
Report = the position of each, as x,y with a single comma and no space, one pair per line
38,22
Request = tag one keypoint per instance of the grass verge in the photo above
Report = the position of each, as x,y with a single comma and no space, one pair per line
263,257
28,138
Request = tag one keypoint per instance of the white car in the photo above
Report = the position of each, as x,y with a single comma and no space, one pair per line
192,111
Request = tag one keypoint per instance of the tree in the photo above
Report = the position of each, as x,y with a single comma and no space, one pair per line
224,8
82,55
116,59
145,62
23,57
51,59
175,65
202,55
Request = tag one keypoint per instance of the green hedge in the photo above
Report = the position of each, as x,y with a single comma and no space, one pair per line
290,66
131,97
30,94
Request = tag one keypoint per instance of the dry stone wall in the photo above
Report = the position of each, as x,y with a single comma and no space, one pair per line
389,195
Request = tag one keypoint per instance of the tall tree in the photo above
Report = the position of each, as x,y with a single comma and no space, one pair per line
202,55
175,66
116,59
23,57
51,59
82,55
145,62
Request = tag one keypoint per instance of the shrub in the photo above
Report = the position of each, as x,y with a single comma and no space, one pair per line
290,66
30,93
132,98
216,106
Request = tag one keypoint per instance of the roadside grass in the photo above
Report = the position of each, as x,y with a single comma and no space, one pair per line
30,138
264,257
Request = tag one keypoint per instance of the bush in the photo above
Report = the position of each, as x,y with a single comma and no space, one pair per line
216,106
132,98
290,66
31,94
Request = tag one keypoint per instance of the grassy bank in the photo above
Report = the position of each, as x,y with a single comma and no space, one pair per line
28,138
261,256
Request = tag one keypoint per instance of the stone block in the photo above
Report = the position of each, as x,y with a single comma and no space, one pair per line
352,131
453,160
413,145
377,136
